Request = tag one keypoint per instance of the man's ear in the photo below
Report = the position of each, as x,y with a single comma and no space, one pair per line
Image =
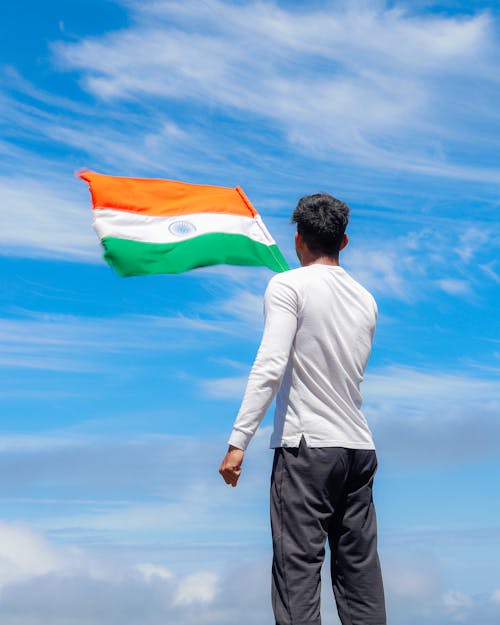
299,245
345,241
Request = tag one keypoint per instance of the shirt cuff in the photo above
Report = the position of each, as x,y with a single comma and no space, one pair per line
239,439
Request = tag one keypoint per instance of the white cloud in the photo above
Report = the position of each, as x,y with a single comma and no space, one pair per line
489,270
45,582
366,107
454,287
495,597
37,220
125,489
56,342
424,262
224,388
361,79
113,140
25,554
197,588
411,576
455,600
41,581
384,272
412,411
245,306
471,240
417,390
458,604
29,443
417,591
150,571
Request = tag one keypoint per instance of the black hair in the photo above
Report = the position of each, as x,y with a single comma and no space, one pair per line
321,221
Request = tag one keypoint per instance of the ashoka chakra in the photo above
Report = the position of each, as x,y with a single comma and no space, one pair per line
182,228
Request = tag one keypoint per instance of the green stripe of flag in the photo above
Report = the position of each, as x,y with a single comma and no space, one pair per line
135,258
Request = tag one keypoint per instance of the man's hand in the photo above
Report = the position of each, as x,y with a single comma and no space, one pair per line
230,469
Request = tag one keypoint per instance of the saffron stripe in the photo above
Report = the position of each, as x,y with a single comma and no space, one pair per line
149,196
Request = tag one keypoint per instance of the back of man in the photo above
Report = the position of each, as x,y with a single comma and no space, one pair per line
319,325
335,321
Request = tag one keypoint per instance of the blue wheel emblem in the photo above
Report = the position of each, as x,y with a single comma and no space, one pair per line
182,228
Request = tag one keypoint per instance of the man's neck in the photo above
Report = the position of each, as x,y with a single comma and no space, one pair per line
311,259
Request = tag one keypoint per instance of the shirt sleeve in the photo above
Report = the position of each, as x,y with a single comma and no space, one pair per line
280,327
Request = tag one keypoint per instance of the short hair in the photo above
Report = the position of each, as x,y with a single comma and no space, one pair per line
321,221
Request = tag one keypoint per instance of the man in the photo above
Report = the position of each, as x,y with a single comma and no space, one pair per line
319,326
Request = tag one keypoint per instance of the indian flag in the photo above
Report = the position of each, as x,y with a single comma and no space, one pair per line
149,226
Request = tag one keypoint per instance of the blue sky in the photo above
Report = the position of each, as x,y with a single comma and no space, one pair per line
117,395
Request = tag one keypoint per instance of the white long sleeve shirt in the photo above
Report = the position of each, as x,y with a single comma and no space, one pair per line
318,332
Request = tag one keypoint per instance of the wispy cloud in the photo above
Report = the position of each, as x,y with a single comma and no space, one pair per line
359,79
68,343
130,490
425,261
454,287
412,412
342,82
42,581
38,220
30,564
434,418
142,139
388,105
224,388
24,554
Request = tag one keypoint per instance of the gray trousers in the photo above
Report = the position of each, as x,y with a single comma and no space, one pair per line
319,494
